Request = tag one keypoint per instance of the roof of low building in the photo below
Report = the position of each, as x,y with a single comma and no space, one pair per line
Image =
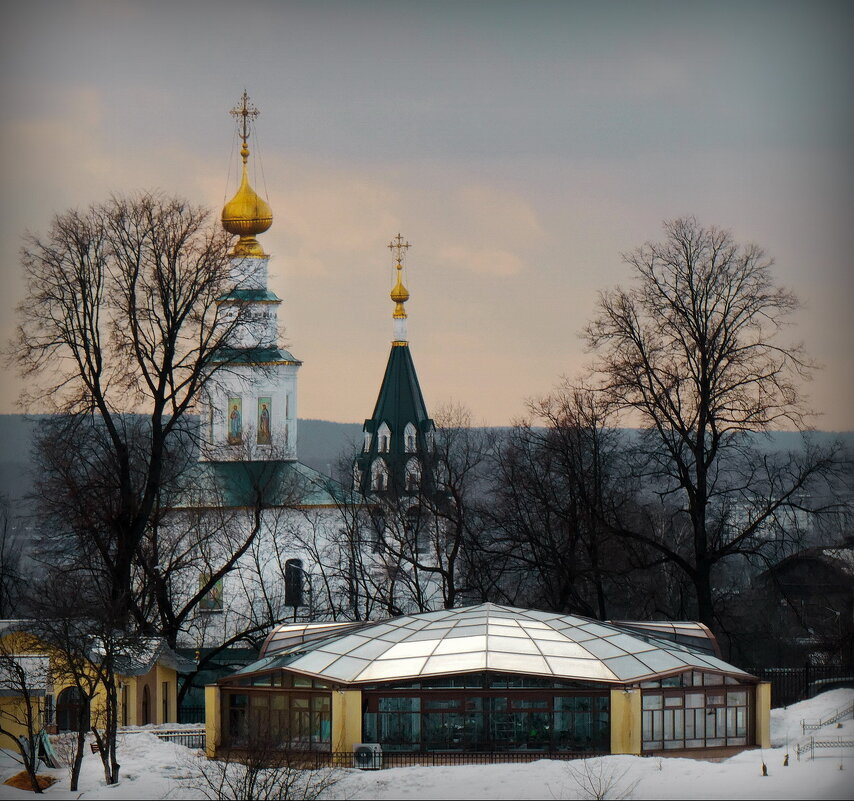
484,637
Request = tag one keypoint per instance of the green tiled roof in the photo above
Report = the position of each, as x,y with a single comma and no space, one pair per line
272,483
400,402
249,295
255,356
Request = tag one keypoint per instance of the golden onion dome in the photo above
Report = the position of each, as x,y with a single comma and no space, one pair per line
400,294
246,215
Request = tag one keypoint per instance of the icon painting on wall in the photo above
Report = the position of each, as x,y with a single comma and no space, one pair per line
264,406
235,421
211,601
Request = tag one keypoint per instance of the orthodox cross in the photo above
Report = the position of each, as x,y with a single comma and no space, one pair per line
397,244
248,111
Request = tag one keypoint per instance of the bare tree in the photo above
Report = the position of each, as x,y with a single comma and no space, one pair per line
559,476
120,315
261,771
12,577
24,673
693,351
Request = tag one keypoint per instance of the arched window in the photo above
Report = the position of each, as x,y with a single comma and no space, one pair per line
413,475
294,579
72,710
384,438
379,475
409,438
368,438
146,705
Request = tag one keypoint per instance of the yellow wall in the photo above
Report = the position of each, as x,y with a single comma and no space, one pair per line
13,712
763,714
213,719
168,675
13,718
346,719
625,721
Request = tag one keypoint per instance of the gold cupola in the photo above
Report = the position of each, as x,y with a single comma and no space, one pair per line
247,213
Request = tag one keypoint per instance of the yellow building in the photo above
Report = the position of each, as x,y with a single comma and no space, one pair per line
146,674
491,678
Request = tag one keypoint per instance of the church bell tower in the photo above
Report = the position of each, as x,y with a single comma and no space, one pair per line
252,403
398,437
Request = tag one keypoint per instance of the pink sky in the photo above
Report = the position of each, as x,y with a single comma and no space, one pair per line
520,148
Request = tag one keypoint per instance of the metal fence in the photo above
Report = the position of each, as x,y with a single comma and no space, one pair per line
826,744
408,759
191,714
789,685
834,717
190,737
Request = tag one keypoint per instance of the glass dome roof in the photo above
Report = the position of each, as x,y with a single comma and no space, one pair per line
482,637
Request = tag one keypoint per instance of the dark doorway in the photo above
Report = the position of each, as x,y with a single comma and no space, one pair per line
146,706
70,707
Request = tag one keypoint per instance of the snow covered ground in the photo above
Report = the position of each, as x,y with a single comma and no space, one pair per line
155,769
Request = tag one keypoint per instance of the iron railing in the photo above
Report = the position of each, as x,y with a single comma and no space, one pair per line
835,717
789,685
195,737
409,759
810,745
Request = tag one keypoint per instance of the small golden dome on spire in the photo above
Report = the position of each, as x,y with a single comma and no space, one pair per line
400,294
246,214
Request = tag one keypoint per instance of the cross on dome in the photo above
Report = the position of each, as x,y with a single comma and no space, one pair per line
398,245
248,111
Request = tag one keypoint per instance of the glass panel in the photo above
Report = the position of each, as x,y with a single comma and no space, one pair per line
689,724
673,700
652,701
695,700
736,698
715,699
741,721
647,726
442,703
668,724
678,728
730,722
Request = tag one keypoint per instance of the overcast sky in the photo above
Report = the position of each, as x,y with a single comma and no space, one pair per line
520,147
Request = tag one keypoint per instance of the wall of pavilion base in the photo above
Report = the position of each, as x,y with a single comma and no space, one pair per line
346,720
625,721
693,711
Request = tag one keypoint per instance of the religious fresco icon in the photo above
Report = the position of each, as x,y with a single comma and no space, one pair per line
235,421
264,407
211,601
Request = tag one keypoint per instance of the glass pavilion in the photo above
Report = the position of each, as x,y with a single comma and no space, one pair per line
490,678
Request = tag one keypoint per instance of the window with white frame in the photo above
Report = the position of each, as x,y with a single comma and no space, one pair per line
413,475
383,438
409,438
379,475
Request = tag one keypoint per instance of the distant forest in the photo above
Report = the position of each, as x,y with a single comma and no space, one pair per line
321,445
